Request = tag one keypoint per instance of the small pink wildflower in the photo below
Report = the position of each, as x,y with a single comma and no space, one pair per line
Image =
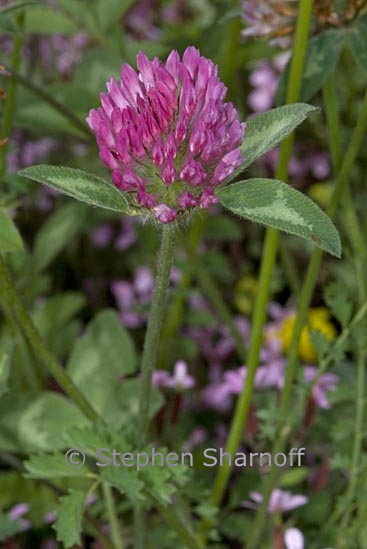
180,380
167,135
17,512
280,501
325,383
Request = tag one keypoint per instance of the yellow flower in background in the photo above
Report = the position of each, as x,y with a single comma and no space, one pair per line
318,319
321,193
245,292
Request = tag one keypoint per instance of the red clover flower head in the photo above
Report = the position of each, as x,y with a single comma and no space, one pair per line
167,134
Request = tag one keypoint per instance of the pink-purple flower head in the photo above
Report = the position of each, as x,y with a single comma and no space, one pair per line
167,134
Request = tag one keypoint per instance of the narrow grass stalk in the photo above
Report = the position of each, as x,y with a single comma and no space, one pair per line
116,535
13,306
268,260
353,229
357,242
358,439
10,95
285,425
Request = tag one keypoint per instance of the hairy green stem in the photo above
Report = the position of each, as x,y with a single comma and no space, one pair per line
150,353
13,306
10,95
268,259
152,336
285,422
176,310
116,535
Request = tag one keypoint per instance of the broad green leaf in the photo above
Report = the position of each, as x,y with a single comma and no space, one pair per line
69,518
57,232
275,204
267,130
322,56
106,337
99,360
45,20
80,185
34,113
4,373
127,396
59,309
81,12
357,38
93,437
16,6
31,421
110,12
96,67
50,466
9,527
163,480
56,322
10,240
125,479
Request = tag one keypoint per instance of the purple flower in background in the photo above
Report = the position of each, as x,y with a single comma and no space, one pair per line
197,436
50,517
133,297
307,161
102,235
280,501
25,152
180,379
273,19
127,236
167,135
140,20
264,79
325,383
17,512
